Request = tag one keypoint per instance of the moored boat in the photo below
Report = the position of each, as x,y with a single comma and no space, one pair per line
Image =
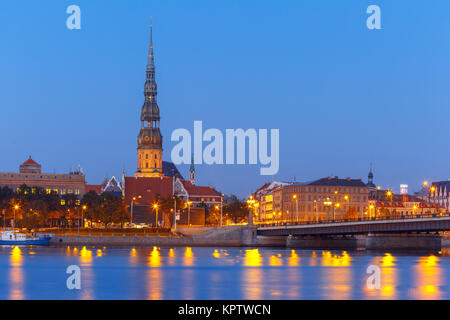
17,238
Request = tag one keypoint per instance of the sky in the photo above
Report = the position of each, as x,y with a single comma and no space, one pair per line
342,96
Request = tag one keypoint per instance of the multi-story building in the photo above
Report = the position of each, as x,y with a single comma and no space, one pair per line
264,200
30,174
385,203
440,194
326,198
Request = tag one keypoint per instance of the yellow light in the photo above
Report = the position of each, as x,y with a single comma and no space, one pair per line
294,196
425,183
346,197
155,206
16,207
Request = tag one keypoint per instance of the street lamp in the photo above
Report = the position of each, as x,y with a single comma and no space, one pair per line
328,204
16,207
424,186
84,208
189,212
316,209
251,202
155,206
132,205
221,208
296,204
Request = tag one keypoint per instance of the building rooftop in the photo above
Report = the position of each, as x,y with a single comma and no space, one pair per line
337,182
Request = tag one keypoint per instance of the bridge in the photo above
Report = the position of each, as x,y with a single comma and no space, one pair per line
413,224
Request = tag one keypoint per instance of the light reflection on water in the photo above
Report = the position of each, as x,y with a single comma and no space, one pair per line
220,273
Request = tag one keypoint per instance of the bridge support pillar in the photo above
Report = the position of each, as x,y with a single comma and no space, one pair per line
403,242
248,236
322,242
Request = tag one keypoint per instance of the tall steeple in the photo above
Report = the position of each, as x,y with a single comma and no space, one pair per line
192,171
150,140
370,183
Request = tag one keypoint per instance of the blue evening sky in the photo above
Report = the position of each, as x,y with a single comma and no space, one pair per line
342,96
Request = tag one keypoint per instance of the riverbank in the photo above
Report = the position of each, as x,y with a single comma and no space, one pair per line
238,238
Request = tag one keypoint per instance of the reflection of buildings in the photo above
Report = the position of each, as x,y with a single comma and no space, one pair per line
157,180
30,174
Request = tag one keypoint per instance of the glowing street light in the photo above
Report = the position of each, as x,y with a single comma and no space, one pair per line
251,204
155,206
189,212
16,207
132,205
296,204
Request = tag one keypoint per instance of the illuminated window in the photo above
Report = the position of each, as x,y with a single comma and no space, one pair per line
63,202
48,191
56,190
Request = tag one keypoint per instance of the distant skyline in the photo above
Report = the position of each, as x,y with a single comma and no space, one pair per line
342,96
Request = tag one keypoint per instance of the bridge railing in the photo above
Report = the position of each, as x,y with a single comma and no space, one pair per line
342,220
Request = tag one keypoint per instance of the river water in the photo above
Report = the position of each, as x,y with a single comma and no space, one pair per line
222,273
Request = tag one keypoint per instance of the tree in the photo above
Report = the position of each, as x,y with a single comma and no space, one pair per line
236,209
112,209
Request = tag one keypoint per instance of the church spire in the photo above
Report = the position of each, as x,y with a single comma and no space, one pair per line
150,139
151,57
192,171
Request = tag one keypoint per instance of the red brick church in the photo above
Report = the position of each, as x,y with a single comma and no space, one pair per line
156,179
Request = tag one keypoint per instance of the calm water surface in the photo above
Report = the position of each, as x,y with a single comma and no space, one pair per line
208,273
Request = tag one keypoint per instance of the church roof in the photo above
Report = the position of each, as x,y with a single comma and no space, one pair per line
199,191
170,170
30,162
147,189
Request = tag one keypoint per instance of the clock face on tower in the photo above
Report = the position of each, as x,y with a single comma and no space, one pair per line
146,138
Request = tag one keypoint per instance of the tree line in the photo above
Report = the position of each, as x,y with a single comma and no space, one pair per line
35,207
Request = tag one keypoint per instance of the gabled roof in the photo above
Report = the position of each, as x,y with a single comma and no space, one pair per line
199,191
